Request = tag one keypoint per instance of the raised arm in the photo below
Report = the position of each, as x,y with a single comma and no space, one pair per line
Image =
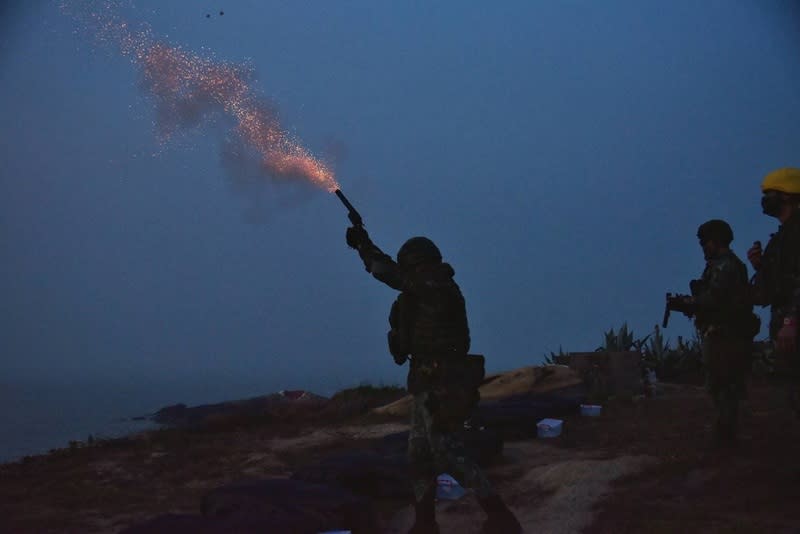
376,262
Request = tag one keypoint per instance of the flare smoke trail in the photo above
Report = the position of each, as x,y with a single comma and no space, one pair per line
184,84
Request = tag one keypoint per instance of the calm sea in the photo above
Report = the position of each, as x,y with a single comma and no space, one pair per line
37,417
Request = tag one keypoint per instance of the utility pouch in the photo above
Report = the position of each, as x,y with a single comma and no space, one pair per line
456,395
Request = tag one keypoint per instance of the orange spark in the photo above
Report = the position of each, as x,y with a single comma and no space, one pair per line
186,84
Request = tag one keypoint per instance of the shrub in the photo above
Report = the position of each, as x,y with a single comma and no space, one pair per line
621,340
682,363
551,358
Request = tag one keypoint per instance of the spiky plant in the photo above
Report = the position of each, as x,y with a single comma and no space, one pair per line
656,349
551,358
621,340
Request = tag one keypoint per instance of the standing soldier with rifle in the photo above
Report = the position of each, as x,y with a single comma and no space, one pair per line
429,329
721,306
777,280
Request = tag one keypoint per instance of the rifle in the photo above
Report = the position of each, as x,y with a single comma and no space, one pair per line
665,321
677,302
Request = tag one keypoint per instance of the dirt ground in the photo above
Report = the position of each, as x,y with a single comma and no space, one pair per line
642,466
694,487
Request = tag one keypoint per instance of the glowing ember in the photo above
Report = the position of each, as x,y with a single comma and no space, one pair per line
187,86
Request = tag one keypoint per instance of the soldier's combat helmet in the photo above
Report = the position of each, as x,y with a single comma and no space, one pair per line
717,230
418,250
786,180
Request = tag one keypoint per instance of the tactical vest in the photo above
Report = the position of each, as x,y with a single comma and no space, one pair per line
777,279
429,322
733,311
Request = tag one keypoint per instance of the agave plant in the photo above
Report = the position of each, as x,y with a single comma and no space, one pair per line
694,345
656,350
621,340
684,362
551,358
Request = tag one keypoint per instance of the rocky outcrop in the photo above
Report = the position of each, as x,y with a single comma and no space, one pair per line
607,373
383,471
516,417
180,415
542,382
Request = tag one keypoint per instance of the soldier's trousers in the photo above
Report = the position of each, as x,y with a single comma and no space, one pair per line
433,451
787,376
725,358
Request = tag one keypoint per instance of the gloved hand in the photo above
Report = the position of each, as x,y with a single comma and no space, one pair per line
681,303
754,255
400,360
356,236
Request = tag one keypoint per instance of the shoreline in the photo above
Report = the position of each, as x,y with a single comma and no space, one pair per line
629,470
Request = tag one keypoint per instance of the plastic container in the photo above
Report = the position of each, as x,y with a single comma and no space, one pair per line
549,428
591,410
651,383
448,488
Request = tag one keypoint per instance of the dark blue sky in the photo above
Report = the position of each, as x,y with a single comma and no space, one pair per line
561,154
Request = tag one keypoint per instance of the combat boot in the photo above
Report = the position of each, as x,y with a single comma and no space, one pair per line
499,519
425,509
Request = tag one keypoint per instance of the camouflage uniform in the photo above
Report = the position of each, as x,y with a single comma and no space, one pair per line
777,284
433,451
429,322
724,318
429,325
